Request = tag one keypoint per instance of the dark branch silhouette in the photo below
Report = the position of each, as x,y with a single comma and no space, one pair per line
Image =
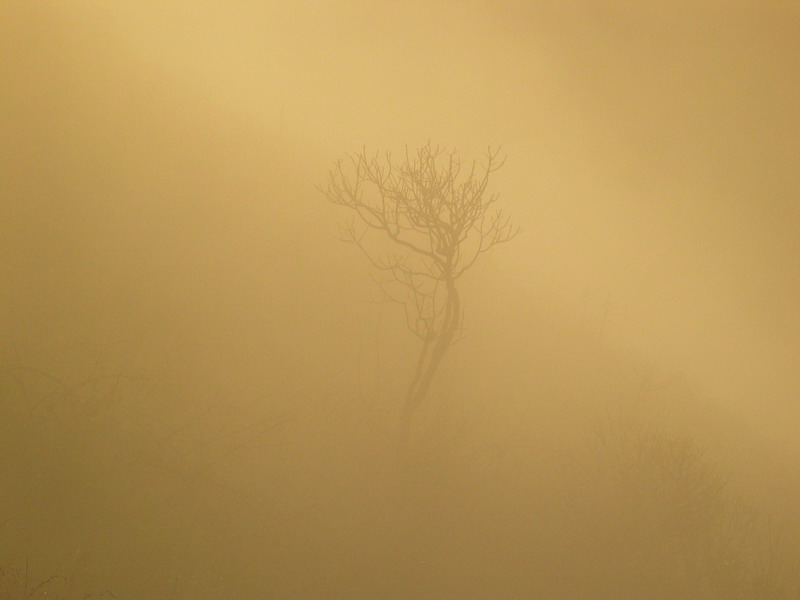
436,214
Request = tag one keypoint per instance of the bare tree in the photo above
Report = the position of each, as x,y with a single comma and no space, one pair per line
421,222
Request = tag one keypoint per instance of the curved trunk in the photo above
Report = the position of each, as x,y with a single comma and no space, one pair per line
429,360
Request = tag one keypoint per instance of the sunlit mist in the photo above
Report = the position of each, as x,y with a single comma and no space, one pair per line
400,300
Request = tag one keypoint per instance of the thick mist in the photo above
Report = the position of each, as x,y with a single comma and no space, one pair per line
200,389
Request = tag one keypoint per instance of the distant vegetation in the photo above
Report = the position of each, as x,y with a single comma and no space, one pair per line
634,511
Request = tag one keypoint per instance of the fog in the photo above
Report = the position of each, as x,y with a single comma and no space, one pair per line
200,387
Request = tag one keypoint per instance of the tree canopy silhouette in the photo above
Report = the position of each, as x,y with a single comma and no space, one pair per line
422,222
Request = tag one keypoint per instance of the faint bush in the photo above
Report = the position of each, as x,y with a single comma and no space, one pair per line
16,583
674,524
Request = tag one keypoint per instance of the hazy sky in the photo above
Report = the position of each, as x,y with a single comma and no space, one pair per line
652,147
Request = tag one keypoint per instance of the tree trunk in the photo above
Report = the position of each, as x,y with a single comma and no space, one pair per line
429,360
